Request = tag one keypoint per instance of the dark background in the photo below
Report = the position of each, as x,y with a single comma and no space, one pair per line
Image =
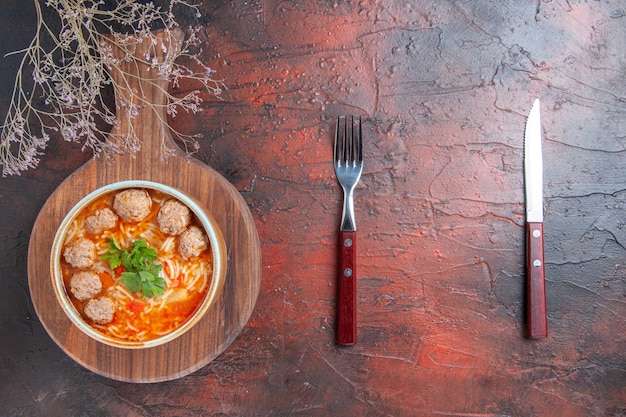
444,88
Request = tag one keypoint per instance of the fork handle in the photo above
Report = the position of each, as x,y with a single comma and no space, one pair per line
346,306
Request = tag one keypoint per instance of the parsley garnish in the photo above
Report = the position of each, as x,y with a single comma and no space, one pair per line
140,273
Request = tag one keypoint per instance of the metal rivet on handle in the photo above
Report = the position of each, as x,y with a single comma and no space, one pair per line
536,233
536,262
347,272
347,243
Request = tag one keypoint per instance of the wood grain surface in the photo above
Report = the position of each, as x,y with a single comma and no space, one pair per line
444,88
223,322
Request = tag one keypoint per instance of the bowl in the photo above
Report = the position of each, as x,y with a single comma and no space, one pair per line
212,285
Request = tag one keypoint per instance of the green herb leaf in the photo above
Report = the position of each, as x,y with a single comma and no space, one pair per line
132,281
151,287
141,273
114,254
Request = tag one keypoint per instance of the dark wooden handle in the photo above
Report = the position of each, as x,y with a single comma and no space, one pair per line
535,282
346,304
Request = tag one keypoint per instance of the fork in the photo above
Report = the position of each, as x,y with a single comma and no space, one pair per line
348,157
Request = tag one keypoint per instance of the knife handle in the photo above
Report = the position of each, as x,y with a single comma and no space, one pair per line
535,282
346,304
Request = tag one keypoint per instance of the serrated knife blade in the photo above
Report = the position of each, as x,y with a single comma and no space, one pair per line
536,312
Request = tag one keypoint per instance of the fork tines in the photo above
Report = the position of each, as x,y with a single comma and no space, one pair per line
348,148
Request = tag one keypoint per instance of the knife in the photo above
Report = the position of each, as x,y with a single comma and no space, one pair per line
536,315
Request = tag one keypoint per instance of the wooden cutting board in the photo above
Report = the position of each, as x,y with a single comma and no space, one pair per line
225,320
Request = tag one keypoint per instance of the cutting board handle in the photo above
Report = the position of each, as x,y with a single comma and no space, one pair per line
140,87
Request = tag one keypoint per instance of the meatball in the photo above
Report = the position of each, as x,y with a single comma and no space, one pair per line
192,242
132,205
85,284
80,253
100,310
173,217
101,220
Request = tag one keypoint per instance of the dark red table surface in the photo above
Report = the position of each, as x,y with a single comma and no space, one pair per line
443,88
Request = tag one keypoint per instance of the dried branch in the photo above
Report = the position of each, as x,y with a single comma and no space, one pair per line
72,75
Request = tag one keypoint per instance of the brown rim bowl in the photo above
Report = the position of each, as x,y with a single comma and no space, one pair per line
217,247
